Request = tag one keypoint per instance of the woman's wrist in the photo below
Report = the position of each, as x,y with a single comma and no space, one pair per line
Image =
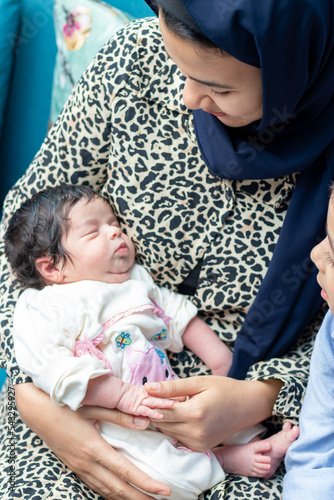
31,403
22,392
265,393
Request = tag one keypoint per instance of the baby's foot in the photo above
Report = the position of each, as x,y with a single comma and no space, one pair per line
280,443
257,458
249,459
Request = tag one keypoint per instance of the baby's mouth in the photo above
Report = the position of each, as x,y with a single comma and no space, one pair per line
122,248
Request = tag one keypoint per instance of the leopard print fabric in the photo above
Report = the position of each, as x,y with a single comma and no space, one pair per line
125,132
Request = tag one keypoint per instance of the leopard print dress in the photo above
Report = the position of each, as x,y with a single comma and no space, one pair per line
125,132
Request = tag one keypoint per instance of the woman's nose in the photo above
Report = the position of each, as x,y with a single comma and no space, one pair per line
195,95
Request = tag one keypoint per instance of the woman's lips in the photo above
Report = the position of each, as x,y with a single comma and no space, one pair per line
219,115
324,295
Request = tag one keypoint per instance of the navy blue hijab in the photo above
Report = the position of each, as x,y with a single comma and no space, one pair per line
292,42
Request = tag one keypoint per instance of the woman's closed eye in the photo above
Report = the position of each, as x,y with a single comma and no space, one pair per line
223,92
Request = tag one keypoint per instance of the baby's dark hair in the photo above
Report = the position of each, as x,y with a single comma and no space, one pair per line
36,230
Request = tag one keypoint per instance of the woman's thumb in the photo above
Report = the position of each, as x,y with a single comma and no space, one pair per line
175,388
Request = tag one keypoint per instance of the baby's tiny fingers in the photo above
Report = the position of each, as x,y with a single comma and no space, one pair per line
153,402
155,415
145,411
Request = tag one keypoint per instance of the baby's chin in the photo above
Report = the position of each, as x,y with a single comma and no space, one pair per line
120,277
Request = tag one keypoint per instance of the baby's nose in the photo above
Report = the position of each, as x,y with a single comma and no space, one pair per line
115,231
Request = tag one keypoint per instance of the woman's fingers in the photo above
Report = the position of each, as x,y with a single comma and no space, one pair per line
114,416
109,474
177,388
217,408
129,473
112,487
114,492
78,444
202,422
187,423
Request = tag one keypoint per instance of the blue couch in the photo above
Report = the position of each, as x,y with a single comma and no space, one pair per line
28,52
26,72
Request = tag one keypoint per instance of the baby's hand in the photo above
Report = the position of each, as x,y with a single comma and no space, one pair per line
222,371
136,401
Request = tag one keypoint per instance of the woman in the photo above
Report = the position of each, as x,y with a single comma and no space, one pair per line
213,199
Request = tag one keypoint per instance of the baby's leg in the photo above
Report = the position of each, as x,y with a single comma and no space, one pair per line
257,458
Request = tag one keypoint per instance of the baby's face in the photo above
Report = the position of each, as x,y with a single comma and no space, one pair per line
98,248
323,257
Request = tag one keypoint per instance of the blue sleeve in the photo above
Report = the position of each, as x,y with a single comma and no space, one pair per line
310,459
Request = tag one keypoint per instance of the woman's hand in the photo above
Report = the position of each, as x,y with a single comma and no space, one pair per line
218,407
74,438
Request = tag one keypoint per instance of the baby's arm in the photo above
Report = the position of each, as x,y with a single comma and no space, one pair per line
112,392
203,341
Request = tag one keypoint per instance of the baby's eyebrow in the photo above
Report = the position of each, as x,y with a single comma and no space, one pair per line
81,225
85,222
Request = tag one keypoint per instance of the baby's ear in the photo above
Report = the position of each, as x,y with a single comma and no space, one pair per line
51,273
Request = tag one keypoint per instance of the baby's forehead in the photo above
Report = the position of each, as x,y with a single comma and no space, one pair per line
86,209
91,205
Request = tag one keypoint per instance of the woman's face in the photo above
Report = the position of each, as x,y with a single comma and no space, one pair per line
216,83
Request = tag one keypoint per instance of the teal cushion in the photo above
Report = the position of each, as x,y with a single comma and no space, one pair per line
82,28
28,104
137,8
10,11
29,96
2,377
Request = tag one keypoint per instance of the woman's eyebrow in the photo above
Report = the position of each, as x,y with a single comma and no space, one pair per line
207,83
211,84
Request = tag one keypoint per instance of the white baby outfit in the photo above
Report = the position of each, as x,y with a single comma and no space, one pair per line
66,335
